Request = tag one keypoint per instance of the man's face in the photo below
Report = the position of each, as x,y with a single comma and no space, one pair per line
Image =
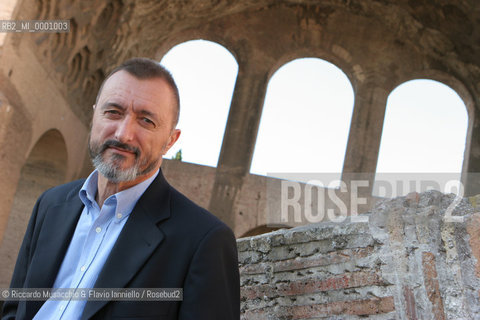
132,127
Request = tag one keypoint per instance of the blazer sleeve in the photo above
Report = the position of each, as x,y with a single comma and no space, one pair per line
9,310
212,286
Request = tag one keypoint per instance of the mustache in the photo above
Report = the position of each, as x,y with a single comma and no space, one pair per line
120,145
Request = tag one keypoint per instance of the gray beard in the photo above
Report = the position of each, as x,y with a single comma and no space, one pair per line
114,174
111,171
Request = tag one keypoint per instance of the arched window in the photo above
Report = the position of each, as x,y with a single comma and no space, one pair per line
305,121
424,131
205,73
44,168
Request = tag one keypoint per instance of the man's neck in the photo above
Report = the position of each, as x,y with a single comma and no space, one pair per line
106,188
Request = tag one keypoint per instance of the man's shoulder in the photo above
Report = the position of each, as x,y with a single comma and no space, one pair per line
192,214
63,192
181,203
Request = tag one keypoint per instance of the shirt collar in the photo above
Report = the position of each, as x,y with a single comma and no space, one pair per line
125,200
89,189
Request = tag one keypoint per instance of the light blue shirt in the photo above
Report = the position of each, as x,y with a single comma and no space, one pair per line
96,232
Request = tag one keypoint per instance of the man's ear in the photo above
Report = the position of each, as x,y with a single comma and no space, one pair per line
91,118
172,139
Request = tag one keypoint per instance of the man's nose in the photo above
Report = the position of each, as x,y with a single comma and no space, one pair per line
125,130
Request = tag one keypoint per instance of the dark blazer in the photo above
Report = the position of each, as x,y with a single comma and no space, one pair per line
167,242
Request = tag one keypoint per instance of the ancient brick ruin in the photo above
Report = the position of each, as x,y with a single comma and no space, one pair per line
406,262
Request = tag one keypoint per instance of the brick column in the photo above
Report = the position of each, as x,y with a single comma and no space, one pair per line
365,132
240,136
471,163
15,135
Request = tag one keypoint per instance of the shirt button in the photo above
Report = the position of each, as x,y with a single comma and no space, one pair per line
98,229
119,216
83,268
62,308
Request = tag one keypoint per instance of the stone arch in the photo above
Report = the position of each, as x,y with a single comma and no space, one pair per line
337,55
178,39
447,79
44,168
15,137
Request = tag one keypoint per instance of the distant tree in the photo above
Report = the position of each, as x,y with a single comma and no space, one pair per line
178,155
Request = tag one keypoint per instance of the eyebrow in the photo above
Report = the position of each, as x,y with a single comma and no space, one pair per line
147,113
119,106
112,104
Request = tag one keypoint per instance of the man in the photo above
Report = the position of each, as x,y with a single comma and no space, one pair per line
125,226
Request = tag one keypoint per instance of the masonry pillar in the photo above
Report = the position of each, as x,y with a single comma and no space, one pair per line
15,135
365,133
239,138
44,168
471,170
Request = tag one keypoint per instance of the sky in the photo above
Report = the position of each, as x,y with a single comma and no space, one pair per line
306,116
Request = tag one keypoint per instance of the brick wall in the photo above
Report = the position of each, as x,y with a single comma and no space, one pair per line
405,262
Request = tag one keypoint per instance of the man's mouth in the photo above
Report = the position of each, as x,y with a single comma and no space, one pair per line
121,150
120,147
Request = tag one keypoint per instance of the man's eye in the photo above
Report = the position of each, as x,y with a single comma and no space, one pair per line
148,122
112,112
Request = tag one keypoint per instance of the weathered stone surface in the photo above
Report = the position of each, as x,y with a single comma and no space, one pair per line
408,261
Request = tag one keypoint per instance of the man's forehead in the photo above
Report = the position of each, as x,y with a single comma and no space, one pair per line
123,85
123,78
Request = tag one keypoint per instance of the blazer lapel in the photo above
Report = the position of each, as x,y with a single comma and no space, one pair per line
53,241
137,241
